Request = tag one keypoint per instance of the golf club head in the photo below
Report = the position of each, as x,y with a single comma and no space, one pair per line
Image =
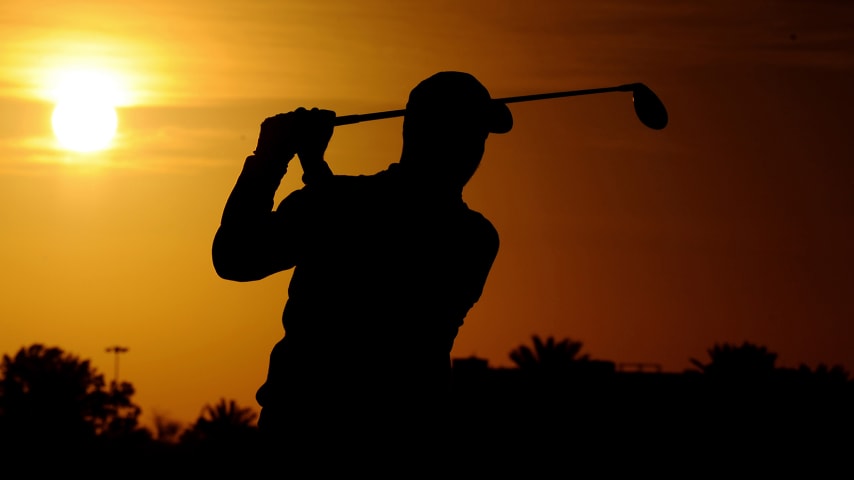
648,107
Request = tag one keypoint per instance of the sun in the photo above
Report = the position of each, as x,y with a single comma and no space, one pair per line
84,126
84,118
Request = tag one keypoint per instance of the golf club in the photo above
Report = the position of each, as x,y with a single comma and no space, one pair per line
648,107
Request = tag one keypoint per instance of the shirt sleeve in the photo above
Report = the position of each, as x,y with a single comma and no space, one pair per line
252,242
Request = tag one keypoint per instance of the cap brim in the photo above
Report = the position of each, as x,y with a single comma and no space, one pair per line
501,120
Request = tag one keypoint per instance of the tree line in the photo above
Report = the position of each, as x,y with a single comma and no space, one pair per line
51,399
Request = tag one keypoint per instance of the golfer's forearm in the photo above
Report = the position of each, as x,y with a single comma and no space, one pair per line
254,192
314,168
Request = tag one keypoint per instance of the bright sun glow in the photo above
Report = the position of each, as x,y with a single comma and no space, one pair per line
85,119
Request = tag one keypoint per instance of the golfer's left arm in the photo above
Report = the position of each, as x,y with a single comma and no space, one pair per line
245,246
253,241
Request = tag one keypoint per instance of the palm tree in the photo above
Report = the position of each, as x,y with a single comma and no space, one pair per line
558,387
548,355
222,423
228,413
166,430
747,361
824,375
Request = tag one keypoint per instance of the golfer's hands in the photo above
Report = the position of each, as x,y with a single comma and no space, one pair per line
277,139
315,129
303,132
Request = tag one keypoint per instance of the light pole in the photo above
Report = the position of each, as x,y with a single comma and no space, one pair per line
117,349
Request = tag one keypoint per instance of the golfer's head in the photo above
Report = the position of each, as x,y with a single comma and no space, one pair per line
455,101
447,120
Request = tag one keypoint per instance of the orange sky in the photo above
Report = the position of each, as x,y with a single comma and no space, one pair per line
733,224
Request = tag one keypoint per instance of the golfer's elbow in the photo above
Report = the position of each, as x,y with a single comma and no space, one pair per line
229,269
231,261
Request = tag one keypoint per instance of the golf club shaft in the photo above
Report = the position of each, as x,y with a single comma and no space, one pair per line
365,117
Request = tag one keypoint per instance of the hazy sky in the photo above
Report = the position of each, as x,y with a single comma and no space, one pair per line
735,223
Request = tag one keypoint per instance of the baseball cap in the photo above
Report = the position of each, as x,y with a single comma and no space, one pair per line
451,94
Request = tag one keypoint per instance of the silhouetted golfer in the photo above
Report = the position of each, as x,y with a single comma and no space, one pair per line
386,266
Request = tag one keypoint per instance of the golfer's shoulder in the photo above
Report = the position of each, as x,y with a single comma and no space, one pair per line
336,186
353,183
318,195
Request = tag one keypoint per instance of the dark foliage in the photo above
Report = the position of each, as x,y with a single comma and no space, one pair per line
53,399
